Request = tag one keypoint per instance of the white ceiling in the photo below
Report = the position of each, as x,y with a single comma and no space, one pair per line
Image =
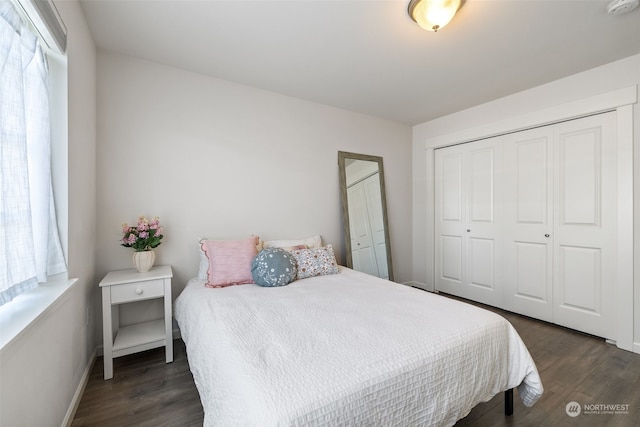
368,56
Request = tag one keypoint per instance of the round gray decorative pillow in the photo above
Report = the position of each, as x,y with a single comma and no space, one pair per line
274,267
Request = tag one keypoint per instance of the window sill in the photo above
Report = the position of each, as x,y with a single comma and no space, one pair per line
18,315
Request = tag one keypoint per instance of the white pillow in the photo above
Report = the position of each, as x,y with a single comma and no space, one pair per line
204,263
312,242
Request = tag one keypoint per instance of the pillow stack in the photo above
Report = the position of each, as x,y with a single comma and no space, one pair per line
270,264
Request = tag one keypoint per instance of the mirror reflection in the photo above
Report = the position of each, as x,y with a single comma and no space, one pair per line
365,214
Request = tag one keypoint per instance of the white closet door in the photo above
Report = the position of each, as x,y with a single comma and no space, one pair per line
362,247
546,217
468,256
585,246
450,220
376,218
528,222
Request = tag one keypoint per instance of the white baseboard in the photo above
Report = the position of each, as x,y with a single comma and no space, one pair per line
636,347
77,396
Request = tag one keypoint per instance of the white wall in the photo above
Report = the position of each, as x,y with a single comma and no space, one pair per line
608,78
217,159
42,368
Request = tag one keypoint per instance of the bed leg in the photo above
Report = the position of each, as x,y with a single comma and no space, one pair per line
508,402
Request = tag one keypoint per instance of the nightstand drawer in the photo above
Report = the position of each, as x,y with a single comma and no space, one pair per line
137,291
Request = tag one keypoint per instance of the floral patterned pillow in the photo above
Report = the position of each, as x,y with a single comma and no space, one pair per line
274,267
316,262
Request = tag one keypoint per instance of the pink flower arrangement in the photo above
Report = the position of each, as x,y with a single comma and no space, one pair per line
143,236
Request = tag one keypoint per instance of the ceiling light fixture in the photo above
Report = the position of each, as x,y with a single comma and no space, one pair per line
618,7
432,15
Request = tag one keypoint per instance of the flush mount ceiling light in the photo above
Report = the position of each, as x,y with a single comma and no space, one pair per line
432,15
618,7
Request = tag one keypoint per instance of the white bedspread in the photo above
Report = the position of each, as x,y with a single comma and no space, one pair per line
346,349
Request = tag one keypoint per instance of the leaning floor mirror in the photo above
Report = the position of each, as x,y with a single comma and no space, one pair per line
364,214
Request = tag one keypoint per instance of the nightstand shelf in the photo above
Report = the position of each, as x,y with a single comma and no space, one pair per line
125,286
139,337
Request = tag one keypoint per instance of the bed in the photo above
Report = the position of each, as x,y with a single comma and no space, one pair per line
346,349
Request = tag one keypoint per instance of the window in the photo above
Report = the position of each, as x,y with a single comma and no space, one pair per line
30,248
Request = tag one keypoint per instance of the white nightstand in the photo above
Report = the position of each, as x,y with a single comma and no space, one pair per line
123,286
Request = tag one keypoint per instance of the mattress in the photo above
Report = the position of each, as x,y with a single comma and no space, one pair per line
346,349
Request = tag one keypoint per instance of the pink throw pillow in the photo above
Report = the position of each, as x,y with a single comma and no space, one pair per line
229,261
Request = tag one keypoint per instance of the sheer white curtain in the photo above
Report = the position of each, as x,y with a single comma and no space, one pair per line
29,243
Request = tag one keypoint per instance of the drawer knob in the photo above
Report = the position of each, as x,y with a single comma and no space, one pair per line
138,291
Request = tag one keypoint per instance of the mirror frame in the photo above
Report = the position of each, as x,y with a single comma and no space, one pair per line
343,156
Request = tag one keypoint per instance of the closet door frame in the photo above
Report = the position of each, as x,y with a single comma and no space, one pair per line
621,101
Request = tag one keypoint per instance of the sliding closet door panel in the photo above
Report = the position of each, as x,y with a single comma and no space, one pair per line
528,222
585,225
483,228
481,253
468,237
450,245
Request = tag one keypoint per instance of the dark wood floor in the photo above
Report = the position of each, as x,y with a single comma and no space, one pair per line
574,367
144,391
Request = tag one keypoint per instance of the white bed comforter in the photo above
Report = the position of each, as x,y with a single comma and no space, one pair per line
346,349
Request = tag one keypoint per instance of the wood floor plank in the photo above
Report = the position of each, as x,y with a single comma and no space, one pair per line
573,367
145,391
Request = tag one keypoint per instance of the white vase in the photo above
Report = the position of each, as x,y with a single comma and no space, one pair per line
144,260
